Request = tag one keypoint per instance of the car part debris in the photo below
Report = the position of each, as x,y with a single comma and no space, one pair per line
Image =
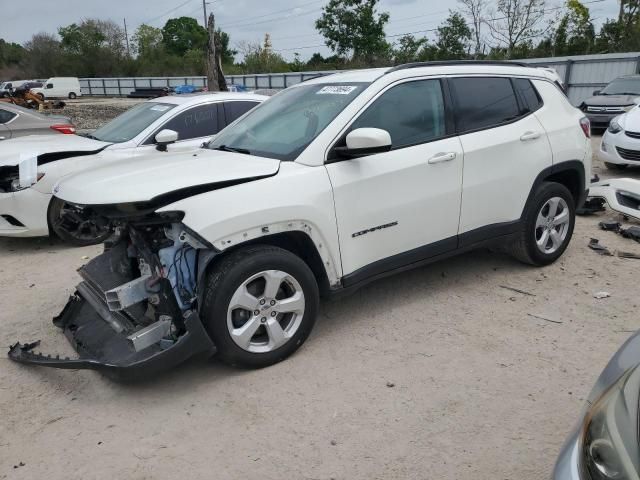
133,314
631,232
594,244
601,295
591,206
610,226
621,194
628,255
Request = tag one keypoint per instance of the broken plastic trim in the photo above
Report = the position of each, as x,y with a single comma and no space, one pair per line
621,194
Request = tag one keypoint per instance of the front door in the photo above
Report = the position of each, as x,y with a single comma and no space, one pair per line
399,207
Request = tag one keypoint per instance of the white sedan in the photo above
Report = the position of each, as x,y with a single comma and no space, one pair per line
620,145
30,166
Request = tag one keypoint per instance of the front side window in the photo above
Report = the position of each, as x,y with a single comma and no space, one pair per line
412,113
132,122
283,126
197,122
483,102
622,86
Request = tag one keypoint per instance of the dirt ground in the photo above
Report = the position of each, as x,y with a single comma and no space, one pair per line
438,373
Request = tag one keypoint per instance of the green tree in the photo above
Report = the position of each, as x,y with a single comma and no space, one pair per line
180,35
516,22
262,59
453,37
410,49
147,41
354,28
228,55
574,34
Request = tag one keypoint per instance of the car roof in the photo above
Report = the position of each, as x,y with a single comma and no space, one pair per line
434,68
202,97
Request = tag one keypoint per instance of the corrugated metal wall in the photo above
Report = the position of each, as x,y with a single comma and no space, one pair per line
582,74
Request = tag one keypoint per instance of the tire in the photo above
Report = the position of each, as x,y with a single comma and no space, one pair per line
82,237
72,96
615,166
526,246
247,270
40,96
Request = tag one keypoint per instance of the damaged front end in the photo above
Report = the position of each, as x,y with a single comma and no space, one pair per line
135,312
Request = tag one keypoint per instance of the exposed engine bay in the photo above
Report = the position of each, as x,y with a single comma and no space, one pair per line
135,310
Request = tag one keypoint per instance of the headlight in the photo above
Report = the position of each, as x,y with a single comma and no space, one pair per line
610,448
614,126
626,108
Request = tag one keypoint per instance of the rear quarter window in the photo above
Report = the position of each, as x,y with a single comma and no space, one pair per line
483,102
528,94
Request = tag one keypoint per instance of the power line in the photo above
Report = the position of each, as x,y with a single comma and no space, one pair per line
290,9
167,12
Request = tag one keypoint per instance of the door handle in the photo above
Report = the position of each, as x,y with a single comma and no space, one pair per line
529,136
2,138
442,157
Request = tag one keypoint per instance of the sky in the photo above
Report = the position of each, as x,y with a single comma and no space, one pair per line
290,22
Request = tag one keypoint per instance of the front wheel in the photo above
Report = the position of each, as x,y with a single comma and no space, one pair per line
72,96
548,225
74,227
260,304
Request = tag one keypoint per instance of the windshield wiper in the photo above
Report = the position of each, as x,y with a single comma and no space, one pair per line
88,135
226,148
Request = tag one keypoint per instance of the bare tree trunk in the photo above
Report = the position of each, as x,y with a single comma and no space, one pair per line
213,83
222,83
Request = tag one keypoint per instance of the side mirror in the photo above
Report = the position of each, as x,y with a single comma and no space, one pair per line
49,85
596,92
365,141
164,138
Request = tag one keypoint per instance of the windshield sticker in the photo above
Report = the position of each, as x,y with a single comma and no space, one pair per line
160,108
336,90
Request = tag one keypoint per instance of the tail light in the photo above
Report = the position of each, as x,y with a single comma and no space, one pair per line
585,124
66,128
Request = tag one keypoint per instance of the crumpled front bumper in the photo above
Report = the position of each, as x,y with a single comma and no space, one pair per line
101,348
102,337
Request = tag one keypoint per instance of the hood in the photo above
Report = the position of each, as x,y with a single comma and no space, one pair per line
162,177
611,100
48,148
630,121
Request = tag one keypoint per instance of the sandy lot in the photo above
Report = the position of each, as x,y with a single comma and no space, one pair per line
481,389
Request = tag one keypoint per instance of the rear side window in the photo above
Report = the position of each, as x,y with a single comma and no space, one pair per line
234,110
528,95
200,121
484,102
6,116
411,112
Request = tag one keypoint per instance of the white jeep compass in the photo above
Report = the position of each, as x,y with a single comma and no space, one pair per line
328,185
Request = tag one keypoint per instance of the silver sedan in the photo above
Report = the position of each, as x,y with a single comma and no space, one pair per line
17,121
605,443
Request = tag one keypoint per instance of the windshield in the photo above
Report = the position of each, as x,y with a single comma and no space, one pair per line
283,126
126,126
623,86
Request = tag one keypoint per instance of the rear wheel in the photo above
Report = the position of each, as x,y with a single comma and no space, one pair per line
74,228
615,166
72,96
548,225
40,96
260,305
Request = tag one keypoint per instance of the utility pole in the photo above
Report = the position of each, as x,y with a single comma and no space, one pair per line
204,9
126,36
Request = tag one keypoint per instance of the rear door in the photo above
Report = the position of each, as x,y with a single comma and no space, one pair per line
505,148
401,206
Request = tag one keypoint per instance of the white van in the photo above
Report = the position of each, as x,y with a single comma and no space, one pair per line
59,87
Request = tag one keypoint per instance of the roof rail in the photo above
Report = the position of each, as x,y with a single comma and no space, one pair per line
444,63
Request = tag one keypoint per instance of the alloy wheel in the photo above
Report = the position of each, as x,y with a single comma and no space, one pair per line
552,225
265,311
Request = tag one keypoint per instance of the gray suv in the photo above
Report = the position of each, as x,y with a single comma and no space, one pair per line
613,100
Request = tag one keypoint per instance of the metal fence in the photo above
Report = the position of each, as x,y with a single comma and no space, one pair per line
582,74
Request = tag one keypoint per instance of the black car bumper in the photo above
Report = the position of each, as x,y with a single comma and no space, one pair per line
101,348
103,338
